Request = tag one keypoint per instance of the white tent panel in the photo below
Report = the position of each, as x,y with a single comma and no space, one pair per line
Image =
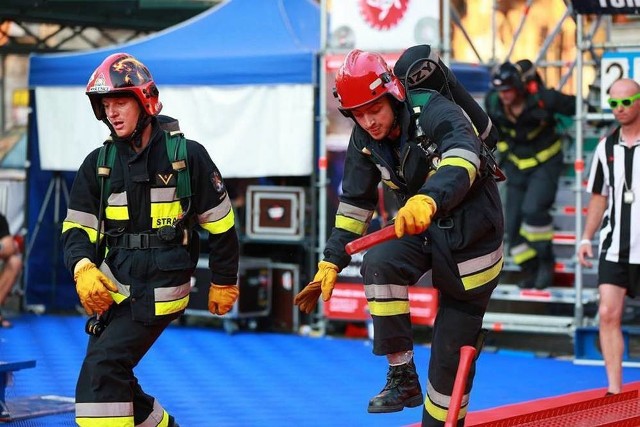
249,131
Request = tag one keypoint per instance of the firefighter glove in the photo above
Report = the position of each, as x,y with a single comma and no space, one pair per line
322,284
222,298
93,287
415,216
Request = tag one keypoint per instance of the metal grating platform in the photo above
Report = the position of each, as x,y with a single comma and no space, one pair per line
621,410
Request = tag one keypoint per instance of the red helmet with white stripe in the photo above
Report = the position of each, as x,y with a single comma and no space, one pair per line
365,77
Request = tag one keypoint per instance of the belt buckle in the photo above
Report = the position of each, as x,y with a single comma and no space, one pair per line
138,241
445,223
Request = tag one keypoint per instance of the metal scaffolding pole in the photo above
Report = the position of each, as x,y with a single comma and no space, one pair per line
579,168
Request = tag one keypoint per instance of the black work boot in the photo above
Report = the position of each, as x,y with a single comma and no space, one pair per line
402,390
544,277
528,273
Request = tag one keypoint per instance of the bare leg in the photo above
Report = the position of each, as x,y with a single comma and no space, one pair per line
611,340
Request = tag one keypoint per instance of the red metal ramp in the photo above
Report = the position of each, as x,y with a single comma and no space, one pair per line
581,409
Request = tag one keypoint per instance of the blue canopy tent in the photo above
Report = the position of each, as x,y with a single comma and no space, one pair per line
239,77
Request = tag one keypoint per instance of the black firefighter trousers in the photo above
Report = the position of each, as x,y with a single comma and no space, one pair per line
387,269
107,377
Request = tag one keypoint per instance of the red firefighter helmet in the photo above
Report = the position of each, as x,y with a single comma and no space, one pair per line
121,74
365,77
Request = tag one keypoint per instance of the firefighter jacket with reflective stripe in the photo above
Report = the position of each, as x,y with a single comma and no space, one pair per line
143,199
533,137
404,167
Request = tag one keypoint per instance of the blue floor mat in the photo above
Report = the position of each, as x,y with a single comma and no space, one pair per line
204,376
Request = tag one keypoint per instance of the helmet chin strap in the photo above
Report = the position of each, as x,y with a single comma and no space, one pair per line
135,137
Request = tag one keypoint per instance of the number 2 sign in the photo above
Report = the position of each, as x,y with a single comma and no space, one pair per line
614,66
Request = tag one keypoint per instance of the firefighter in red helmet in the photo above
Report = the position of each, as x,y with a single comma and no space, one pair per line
129,239
424,148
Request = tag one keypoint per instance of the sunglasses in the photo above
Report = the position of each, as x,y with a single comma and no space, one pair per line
625,102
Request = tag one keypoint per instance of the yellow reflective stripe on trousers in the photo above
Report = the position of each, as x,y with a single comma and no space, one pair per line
388,308
171,300
479,279
105,421
440,414
533,233
171,306
481,270
98,414
522,253
437,403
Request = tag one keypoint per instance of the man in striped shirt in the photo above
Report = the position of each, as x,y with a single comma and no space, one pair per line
614,203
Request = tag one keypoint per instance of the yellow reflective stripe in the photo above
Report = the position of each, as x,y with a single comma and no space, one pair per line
220,226
217,212
502,146
436,412
522,257
165,213
118,297
440,414
462,163
350,224
118,213
105,421
463,154
388,308
531,135
479,279
522,164
117,414
168,307
537,234
549,152
166,209
540,157
91,232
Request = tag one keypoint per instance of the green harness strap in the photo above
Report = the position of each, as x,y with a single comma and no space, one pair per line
176,150
418,100
106,160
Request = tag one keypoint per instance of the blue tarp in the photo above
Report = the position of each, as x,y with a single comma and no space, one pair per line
236,43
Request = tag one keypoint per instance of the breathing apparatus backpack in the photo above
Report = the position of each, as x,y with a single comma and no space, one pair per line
417,100
176,145
176,150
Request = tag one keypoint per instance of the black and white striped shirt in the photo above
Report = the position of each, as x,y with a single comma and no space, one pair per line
614,163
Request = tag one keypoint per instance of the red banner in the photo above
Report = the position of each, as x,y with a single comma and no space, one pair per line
348,302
